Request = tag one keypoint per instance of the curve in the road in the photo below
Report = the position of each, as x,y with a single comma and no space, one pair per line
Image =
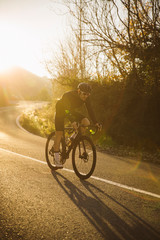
19,125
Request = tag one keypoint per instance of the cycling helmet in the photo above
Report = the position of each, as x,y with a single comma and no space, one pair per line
84,87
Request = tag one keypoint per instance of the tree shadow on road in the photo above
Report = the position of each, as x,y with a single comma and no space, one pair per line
114,223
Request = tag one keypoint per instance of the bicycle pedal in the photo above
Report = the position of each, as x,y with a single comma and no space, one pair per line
56,168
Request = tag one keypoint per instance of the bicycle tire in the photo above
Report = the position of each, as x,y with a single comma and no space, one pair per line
77,162
49,157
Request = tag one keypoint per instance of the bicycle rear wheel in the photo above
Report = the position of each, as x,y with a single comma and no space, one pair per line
84,157
49,151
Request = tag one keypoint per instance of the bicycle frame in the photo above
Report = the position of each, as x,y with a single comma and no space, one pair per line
82,148
65,153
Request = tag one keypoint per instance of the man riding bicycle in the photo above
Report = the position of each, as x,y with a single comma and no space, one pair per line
67,107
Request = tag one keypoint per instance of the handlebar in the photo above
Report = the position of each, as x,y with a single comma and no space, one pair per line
93,129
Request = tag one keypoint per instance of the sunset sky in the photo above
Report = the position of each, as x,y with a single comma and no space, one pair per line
29,30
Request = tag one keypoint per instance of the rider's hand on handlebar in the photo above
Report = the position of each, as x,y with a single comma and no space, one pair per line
99,126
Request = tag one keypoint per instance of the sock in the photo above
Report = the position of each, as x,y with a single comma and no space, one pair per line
56,155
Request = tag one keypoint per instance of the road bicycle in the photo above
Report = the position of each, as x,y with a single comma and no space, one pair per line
82,147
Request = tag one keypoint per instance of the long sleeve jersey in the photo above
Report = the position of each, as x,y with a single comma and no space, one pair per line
71,101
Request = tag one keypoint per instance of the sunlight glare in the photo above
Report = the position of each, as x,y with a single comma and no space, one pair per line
14,46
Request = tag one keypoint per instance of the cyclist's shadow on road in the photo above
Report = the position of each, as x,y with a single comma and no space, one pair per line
105,220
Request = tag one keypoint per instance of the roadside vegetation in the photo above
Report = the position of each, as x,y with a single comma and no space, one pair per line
39,121
115,46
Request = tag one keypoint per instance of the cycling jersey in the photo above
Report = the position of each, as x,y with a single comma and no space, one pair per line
67,107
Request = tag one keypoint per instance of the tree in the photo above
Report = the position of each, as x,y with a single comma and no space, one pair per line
68,66
126,34
122,43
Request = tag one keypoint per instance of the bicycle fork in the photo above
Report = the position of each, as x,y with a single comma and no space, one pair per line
83,155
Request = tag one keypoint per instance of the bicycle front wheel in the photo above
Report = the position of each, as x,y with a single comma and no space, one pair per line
84,157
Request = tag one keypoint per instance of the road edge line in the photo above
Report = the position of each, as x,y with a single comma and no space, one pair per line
93,177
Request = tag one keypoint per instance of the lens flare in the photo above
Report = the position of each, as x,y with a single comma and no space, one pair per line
4,96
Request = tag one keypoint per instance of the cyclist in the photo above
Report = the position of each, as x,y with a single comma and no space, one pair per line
67,107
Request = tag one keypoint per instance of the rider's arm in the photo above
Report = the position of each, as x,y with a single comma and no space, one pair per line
90,110
92,115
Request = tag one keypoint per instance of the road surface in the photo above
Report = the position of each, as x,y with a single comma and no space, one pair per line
120,201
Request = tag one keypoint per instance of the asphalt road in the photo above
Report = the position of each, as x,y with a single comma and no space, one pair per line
120,201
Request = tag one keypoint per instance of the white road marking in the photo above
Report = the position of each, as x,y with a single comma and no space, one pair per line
126,187
24,156
19,125
93,177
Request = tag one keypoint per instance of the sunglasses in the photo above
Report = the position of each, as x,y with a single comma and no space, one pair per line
85,94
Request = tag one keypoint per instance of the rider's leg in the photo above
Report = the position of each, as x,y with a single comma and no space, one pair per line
58,136
59,126
57,140
85,122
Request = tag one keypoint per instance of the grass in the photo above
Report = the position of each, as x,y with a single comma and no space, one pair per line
39,121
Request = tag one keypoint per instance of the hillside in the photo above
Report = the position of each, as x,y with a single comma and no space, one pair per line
18,83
